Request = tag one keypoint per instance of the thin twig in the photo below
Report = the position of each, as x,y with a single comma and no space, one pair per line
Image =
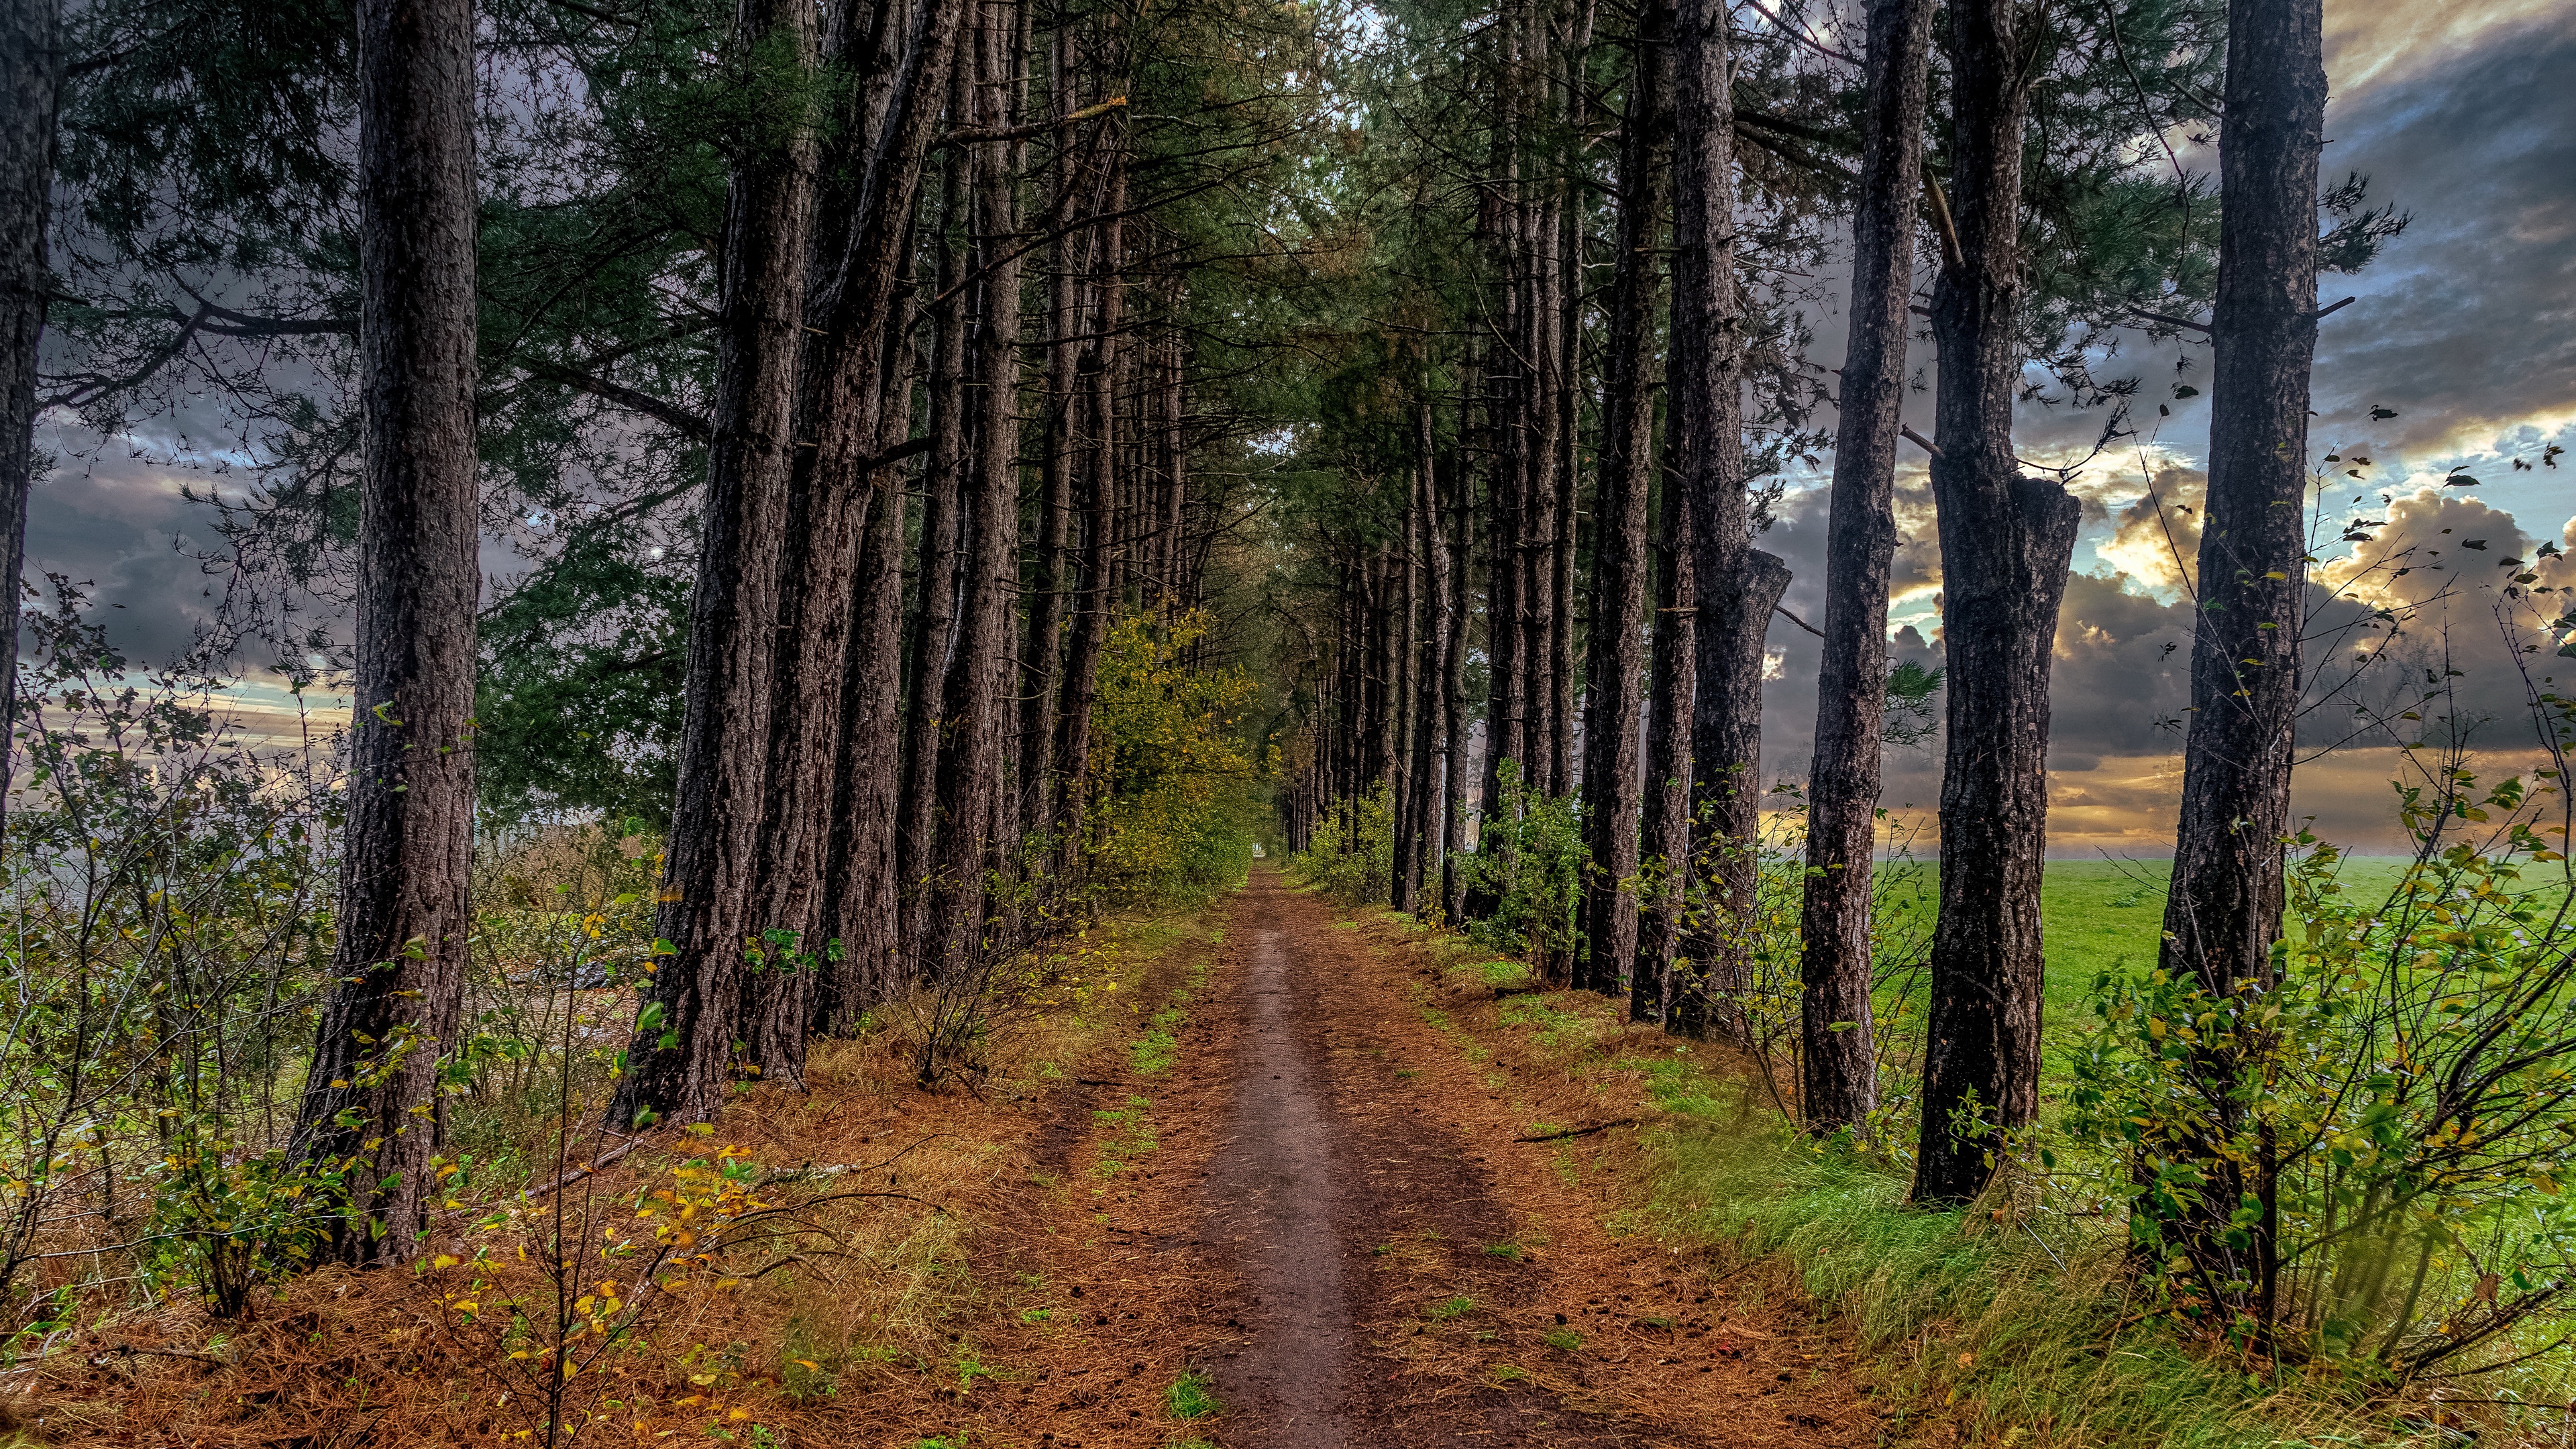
2171,321
1952,254
1783,611
1579,1131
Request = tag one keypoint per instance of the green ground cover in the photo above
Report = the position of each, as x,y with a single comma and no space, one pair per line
2098,915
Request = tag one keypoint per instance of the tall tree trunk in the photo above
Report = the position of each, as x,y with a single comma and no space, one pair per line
1572,164
833,497
1615,658
712,862
1404,865
1506,427
1737,586
1458,718
1097,386
1839,1074
1541,356
979,677
1176,466
925,733
31,79
776,811
1385,665
2005,543
1726,738
371,1102
1671,702
1431,757
2223,911
1043,652
867,954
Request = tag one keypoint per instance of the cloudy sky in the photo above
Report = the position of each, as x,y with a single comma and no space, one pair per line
2463,115
2461,112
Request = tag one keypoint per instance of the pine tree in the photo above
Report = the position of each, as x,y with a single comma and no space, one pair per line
371,1109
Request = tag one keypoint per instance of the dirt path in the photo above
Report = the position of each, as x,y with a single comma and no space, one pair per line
1305,1220
1281,1212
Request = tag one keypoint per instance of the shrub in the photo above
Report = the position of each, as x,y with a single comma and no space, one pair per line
1528,865
2393,1110
1172,825
168,878
1351,856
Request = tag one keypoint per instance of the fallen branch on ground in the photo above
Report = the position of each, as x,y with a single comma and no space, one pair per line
1579,1131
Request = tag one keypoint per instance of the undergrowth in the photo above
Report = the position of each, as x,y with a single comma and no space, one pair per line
2005,1323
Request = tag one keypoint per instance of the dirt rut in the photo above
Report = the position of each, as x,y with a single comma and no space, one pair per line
1321,1218
1405,1272
1276,1193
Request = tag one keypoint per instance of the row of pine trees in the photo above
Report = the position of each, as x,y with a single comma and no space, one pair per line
972,333
1579,494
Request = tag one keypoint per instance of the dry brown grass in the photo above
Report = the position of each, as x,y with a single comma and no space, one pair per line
846,1321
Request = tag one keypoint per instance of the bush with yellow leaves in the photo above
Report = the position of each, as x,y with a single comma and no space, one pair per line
1173,822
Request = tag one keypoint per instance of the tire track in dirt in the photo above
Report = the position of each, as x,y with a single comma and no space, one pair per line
1333,1228
1276,1190
1407,1275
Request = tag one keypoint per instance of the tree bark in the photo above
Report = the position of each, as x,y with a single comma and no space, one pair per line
1508,392
1043,652
1615,660
868,956
979,683
925,731
2005,543
1666,837
1536,555
1573,115
766,820
1737,587
31,79
371,1101
1432,759
1457,716
2223,911
1726,735
1176,469
829,579
1839,1073
1404,864
712,861
1097,397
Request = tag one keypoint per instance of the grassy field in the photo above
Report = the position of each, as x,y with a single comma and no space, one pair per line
2105,915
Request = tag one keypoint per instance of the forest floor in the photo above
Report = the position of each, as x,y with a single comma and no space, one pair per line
1283,1176
1323,1223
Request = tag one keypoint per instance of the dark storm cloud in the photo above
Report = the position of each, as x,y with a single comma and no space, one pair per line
118,525
2114,677
2121,683
2464,323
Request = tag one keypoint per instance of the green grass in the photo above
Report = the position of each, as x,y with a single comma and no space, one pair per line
1447,1309
1976,1330
1975,1324
1549,1018
2096,916
1159,1048
1192,1396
